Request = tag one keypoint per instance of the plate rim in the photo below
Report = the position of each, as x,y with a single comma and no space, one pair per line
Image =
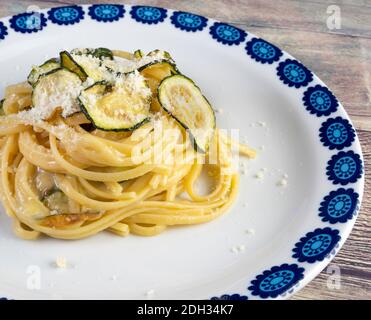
127,11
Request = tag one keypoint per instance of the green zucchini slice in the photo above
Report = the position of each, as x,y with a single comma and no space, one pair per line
138,54
57,202
165,55
115,107
57,88
183,100
103,53
100,53
68,62
162,68
85,66
47,66
2,113
44,183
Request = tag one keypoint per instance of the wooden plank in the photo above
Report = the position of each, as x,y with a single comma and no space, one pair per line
299,14
295,14
341,61
362,123
341,58
281,37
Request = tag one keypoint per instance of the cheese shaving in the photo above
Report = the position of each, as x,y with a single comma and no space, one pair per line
63,94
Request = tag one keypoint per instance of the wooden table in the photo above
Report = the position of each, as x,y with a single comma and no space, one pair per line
340,57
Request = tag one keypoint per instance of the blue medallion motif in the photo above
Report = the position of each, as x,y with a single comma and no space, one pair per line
320,101
234,296
337,133
3,30
188,22
263,51
28,22
294,74
344,168
106,12
316,245
227,34
66,15
339,206
276,281
149,15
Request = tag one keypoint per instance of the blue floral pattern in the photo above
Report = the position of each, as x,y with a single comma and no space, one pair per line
106,12
149,15
188,22
262,51
227,34
320,101
66,15
28,22
339,206
344,168
337,133
3,30
276,281
293,73
316,245
234,296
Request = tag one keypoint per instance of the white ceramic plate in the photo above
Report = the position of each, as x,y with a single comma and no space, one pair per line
286,113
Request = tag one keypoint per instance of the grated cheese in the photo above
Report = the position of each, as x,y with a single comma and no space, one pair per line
61,262
282,183
55,95
241,248
259,175
238,249
250,231
64,94
96,68
134,82
262,123
234,249
160,55
150,292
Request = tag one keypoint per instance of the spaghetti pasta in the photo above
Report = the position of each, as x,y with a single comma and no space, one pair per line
63,178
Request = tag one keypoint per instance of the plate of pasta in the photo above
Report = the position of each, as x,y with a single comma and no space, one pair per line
148,153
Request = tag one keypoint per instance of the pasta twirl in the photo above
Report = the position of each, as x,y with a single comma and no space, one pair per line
66,179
